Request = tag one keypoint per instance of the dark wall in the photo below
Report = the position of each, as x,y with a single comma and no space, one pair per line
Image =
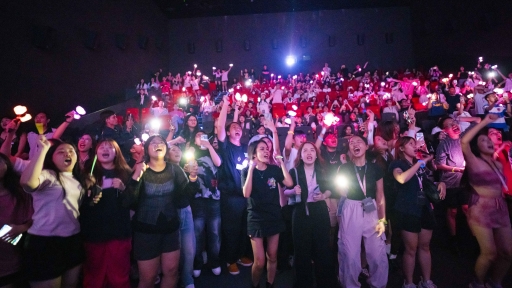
287,29
454,32
62,72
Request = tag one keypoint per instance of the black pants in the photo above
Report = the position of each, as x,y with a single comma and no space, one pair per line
311,242
235,241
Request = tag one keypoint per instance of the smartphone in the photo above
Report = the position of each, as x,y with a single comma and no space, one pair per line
5,229
204,137
420,137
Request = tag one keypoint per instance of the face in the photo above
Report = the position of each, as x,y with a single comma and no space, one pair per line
84,143
451,127
192,122
331,141
495,136
298,140
485,145
112,120
268,142
357,147
348,130
353,116
106,152
235,131
175,154
308,154
64,158
262,153
452,91
492,97
5,122
215,143
261,130
410,148
157,148
41,118
380,143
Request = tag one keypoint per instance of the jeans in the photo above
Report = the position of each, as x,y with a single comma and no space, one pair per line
206,213
188,245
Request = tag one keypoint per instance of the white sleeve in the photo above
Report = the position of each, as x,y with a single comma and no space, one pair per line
20,165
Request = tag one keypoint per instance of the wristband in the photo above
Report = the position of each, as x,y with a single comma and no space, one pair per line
321,138
383,220
291,132
453,169
323,130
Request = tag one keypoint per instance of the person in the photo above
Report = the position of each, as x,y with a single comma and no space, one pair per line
32,137
362,217
487,213
106,227
264,219
153,194
495,106
414,215
187,235
390,108
233,204
86,146
19,141
224,77
53,249
292,143
436,106
310,219
16,211
205,205
160,110
450,162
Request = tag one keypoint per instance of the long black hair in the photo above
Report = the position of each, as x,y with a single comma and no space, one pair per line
48,164
146,148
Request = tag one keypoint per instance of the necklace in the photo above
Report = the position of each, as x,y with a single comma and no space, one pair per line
333,155
261,173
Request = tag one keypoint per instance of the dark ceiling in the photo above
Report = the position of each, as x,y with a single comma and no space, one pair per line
174,9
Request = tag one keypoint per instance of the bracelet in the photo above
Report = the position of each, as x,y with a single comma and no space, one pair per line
321,138
192,178
383,220
453,169
291,132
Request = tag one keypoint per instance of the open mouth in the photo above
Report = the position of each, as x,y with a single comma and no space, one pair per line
357,150
159,149
105,155
81,146
67,161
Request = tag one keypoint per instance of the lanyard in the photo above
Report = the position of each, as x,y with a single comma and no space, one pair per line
362,184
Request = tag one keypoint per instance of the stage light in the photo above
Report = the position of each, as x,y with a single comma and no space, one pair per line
291,60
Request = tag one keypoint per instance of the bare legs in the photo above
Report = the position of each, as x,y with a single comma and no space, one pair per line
412,242
259,258
148,270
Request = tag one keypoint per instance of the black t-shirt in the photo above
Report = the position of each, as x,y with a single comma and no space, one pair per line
373,174
108,219
263,206
463,75
452,101
409,194
233,158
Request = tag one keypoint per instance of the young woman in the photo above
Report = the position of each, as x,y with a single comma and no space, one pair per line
414,213
206,206
310,219
153,194
263,105
54,249
362,216
16,211
106,226
86,145
190,128
487,213
264,219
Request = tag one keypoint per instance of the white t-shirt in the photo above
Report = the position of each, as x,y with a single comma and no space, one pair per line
20,165
225,76
264,107
508,85
463,124
32,142
194,84
479,103
278,96
289,162
56,214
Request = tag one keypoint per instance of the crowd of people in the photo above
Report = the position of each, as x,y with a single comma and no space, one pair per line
197,185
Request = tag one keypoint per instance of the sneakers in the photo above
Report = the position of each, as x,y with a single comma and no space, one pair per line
426,284
244,261
216,271
233,269
197,273
408,285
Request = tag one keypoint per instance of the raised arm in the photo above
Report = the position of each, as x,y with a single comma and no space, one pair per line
62,127
6,146
471,133
247,189
320,137
221,122
30,177
288,142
